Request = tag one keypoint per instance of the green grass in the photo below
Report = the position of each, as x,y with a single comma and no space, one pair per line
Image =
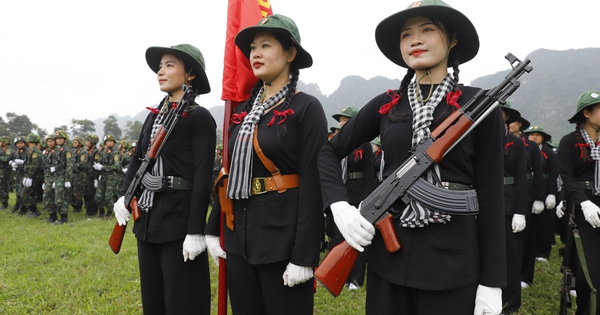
69,269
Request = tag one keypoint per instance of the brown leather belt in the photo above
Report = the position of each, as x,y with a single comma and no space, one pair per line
261,185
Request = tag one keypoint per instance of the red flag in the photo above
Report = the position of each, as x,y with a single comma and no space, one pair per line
238,78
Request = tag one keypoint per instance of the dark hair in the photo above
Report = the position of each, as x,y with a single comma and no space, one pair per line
287,43
394,114
579,138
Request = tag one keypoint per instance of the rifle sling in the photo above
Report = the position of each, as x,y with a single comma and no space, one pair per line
292,180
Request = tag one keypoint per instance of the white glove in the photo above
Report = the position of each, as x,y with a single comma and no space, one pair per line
518,223
97,166
125,170
488,301
550,201
27,182
52,169
560,212
121,212
95,183
14,166
53,185
357,231
214,248
193,245
67,184
591,212
296,274
538,207
19,161
43,186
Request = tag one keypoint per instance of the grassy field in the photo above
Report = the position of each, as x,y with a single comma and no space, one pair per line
69,269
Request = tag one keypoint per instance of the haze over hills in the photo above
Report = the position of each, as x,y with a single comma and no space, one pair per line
547,96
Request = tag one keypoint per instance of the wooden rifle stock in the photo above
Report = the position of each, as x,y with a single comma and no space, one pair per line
334,270
116,237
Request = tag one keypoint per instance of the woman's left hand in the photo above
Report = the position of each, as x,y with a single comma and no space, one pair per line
193,245
296,274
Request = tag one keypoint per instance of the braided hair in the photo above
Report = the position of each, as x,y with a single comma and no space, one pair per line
287,44
580,139
394,114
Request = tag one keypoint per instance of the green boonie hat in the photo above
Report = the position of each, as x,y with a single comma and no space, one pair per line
33,138
588,98
279,24
188,53
524,123
387,33
50,137
334,128
376,141
540,129
21,139
513,114
347,112
110,137
61,134
92,138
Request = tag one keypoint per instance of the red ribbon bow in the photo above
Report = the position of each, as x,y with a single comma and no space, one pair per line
153,110
386,107
452,98
238,118
283,114
358,154
525,141
544,154
508,144
184,114
580,146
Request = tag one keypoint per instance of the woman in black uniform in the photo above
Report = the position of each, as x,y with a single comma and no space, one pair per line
447,264
578,158
171,247
274,243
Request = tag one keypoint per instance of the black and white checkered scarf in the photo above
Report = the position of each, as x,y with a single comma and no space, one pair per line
147,196
416,214
240,175
595,155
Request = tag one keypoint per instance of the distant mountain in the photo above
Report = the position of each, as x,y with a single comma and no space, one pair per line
547,96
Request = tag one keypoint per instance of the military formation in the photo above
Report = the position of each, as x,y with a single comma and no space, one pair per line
58,173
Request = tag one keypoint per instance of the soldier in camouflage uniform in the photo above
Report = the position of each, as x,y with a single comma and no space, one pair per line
48,185
20,157
125,159
33,167
109,168
79,161
63,175
91,175
6,157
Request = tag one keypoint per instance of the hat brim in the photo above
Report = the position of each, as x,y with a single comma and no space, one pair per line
154,55
513,115
245,37
387,33
524,123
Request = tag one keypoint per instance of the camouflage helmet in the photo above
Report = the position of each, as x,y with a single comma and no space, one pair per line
7,139
92,138
61,134
50,137
21,139
125,144
110,137
79,139
220,147
3,139
33,138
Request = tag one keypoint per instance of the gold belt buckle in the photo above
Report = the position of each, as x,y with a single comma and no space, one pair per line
258,186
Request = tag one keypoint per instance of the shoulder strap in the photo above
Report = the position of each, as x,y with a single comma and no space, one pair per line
268,163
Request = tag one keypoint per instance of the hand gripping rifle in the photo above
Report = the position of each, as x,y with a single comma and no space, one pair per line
407,184
153,151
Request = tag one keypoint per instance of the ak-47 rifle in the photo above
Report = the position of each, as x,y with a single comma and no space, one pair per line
568,253
153,151
406,182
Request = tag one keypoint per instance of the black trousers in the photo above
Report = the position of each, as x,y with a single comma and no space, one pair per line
259,289
511,295
386,298
170,285
590,239
544,232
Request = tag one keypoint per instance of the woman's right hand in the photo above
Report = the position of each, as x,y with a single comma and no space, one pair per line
591,212
214,248
357,231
